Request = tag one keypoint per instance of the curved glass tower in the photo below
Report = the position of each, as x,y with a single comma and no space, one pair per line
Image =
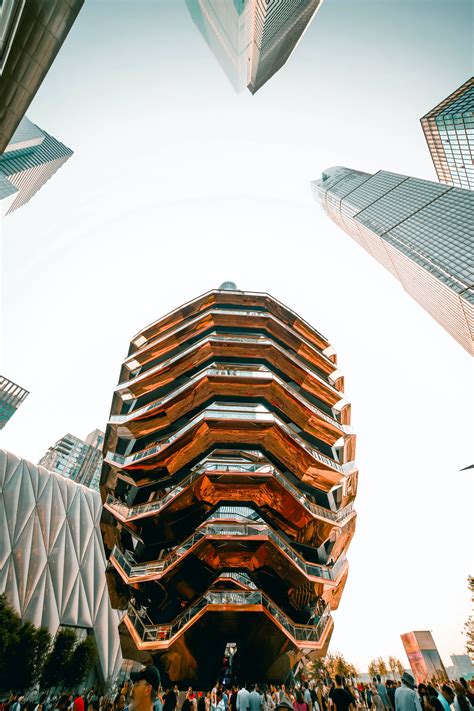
228,488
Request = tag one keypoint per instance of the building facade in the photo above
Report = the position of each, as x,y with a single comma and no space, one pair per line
252,39
52,562
31,34
77,460
423,655
28,162
449,132
420,231
462,666
11,397
228,488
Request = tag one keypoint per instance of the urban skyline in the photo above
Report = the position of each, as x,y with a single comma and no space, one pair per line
76,459
228,190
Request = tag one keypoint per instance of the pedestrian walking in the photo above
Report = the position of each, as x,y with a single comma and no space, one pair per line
145,688
406,698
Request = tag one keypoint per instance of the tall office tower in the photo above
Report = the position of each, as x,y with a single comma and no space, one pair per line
31,35
75,459
52,562
29,160
420,231
252,39
228,487
449,131
11,397
423,655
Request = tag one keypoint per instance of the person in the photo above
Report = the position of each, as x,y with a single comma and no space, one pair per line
446,697
307,696
382,692
268,704
299,704
341,699
220,701
390,687
78,703
469,694
406,698
145,688
461,702
242,699
255,700
377,703
170,700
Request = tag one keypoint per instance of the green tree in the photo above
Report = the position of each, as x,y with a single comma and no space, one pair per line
337,664
317,670
469,625
10,625
81,662
57,663
28,657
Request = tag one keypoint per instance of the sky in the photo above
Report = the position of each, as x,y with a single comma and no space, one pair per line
177,183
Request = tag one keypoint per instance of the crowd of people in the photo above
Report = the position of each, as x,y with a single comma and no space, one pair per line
144,692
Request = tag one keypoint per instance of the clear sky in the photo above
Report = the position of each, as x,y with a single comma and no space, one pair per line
178,183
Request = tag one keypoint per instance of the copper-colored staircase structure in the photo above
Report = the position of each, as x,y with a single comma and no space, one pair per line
228,487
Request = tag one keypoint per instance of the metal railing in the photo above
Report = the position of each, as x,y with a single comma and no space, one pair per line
214,412
151,632
153,507
132,569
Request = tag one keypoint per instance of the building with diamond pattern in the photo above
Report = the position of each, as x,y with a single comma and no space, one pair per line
252,39
420,231
52,562
228,488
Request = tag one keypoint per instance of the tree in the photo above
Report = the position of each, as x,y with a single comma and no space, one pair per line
9,631
55,668
81,662
396,667
469,625
378,666
337,664
373,668
317,670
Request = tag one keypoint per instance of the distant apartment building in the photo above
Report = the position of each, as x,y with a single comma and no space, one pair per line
31,34
462,666
77,459
449,132
424,658
251,39
30,159
11,397
418,230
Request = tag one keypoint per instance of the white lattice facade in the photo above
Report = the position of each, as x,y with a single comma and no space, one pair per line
52,562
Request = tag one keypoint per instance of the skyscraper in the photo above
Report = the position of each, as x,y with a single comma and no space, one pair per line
75,459
420,231
11,397
31,35
252,39
29,160
423,655
228,487
449,132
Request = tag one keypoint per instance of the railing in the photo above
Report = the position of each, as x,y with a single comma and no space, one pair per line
242,578
231,371
151,632
209,529
216,413
152,507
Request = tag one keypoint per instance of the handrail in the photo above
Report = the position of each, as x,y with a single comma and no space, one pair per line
151,632
231,528
153,507
215,413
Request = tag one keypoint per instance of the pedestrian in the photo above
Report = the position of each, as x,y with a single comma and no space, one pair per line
255,700
145,688
461,702
377,703
242,698
307,696
406,698
299,704
341,699
220,701
446,697
382,692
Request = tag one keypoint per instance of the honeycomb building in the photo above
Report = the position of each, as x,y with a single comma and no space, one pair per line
228,488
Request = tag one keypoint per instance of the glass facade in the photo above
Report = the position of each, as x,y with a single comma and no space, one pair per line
419,230
75,459
449,131
11,397
425,661
252,40
30,159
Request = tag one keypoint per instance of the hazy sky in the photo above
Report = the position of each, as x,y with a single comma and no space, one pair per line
177,183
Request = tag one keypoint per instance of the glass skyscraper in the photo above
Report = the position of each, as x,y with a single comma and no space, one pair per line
11,397
252,40
75,459
420,231
29,160
31,34
425,661
449,131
